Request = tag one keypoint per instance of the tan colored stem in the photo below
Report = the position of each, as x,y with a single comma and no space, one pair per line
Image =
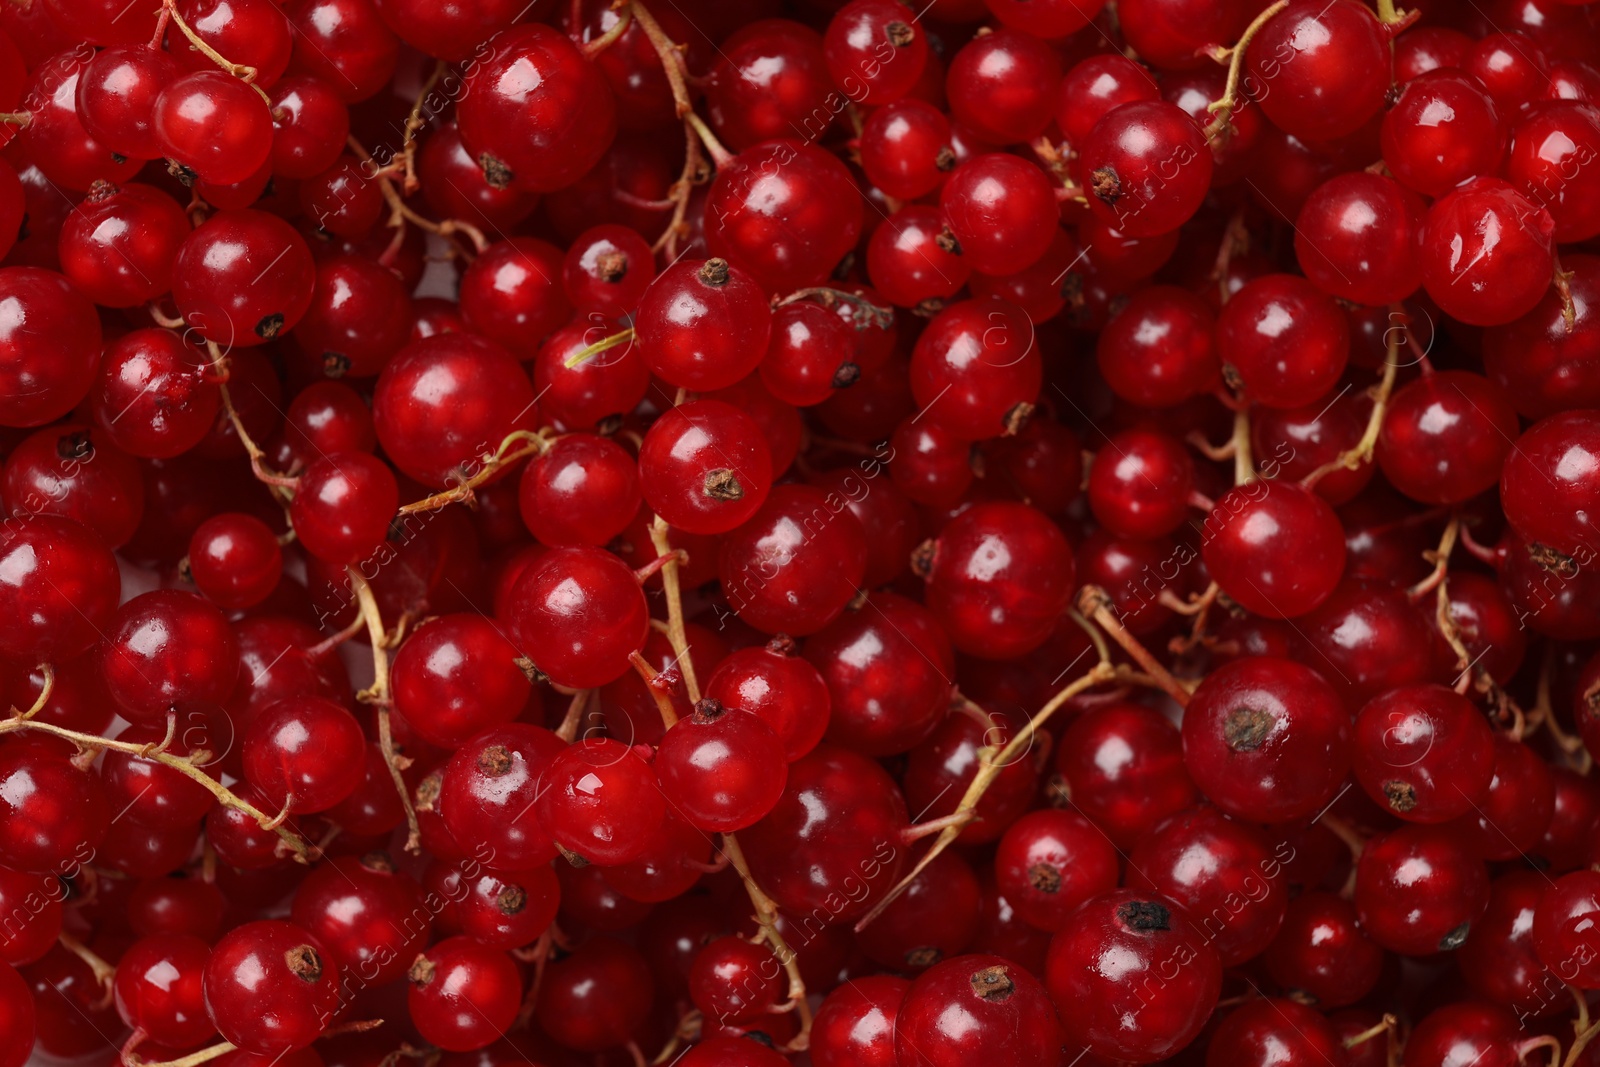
184,765
1223,108
767,918
991,762
676,634
378,695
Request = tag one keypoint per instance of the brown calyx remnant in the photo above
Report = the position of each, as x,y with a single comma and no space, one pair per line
494,760
723,484
304,963
1246,729
993,983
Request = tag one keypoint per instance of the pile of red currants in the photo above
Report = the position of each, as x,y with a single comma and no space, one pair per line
839,533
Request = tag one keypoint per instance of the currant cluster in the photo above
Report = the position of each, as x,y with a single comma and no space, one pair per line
1050,533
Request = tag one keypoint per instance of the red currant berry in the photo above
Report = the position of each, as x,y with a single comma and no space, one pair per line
1267,739
1419,889
304,754
1286,341
243,277
463,995
488,791
158,989
1001,210
875,51
1321,952
456,677
1550,485
1486,252
1103,969
1002,86
1051,861
235,560
705,467
1124,769
534,112
1275,548
963,1011
583,490
1147,168
512,294
703,325
1322,68
582,613
271,987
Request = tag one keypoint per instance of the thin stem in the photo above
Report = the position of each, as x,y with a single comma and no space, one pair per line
1581,1042
246,74
414,122
185,765
991,762
611,36
103,972
161,319
714,148
865,313
1223,108
767,918
670,54
1362,452
205,1055
44,693
603,345
669,717
1096,605
676,634
1244,462
568,730
693,173
378,695
400,213
489,465
15,118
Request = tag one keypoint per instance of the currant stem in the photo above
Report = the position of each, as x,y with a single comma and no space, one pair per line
692,174
1095,605
43,698
568,730
15,118
184,765
602,345
990,763
669,717
611,36
490,465
103,971
378,695
676,635
1362,452
866,314
1223,108
670,54
767,917
714,148
415,122
400,213
1244,461
205,1055
246,74
1581,1042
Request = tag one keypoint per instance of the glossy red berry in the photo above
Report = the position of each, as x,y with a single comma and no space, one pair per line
463,995
357,319
305,754
1357,237
1124,770
1001,210
1274,1030
1419,890
770,81
1486,252
53,816
905,148
999,577
1322,953
964,1010
1267,739
705,467
583,490
444,401
1550,485
235,560
214,125
1323,68
1274,547
1146,167
512,294
580,612
158,989
487,794
1103,967
1443,130
595,998
802,853
794,565
49,337
855,1026
243,278
703,325
1051,861
456,677
1284,342
154,395
1157,351
271,987
535,113
1140,484
116,97
600,799
775,685
1002,86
